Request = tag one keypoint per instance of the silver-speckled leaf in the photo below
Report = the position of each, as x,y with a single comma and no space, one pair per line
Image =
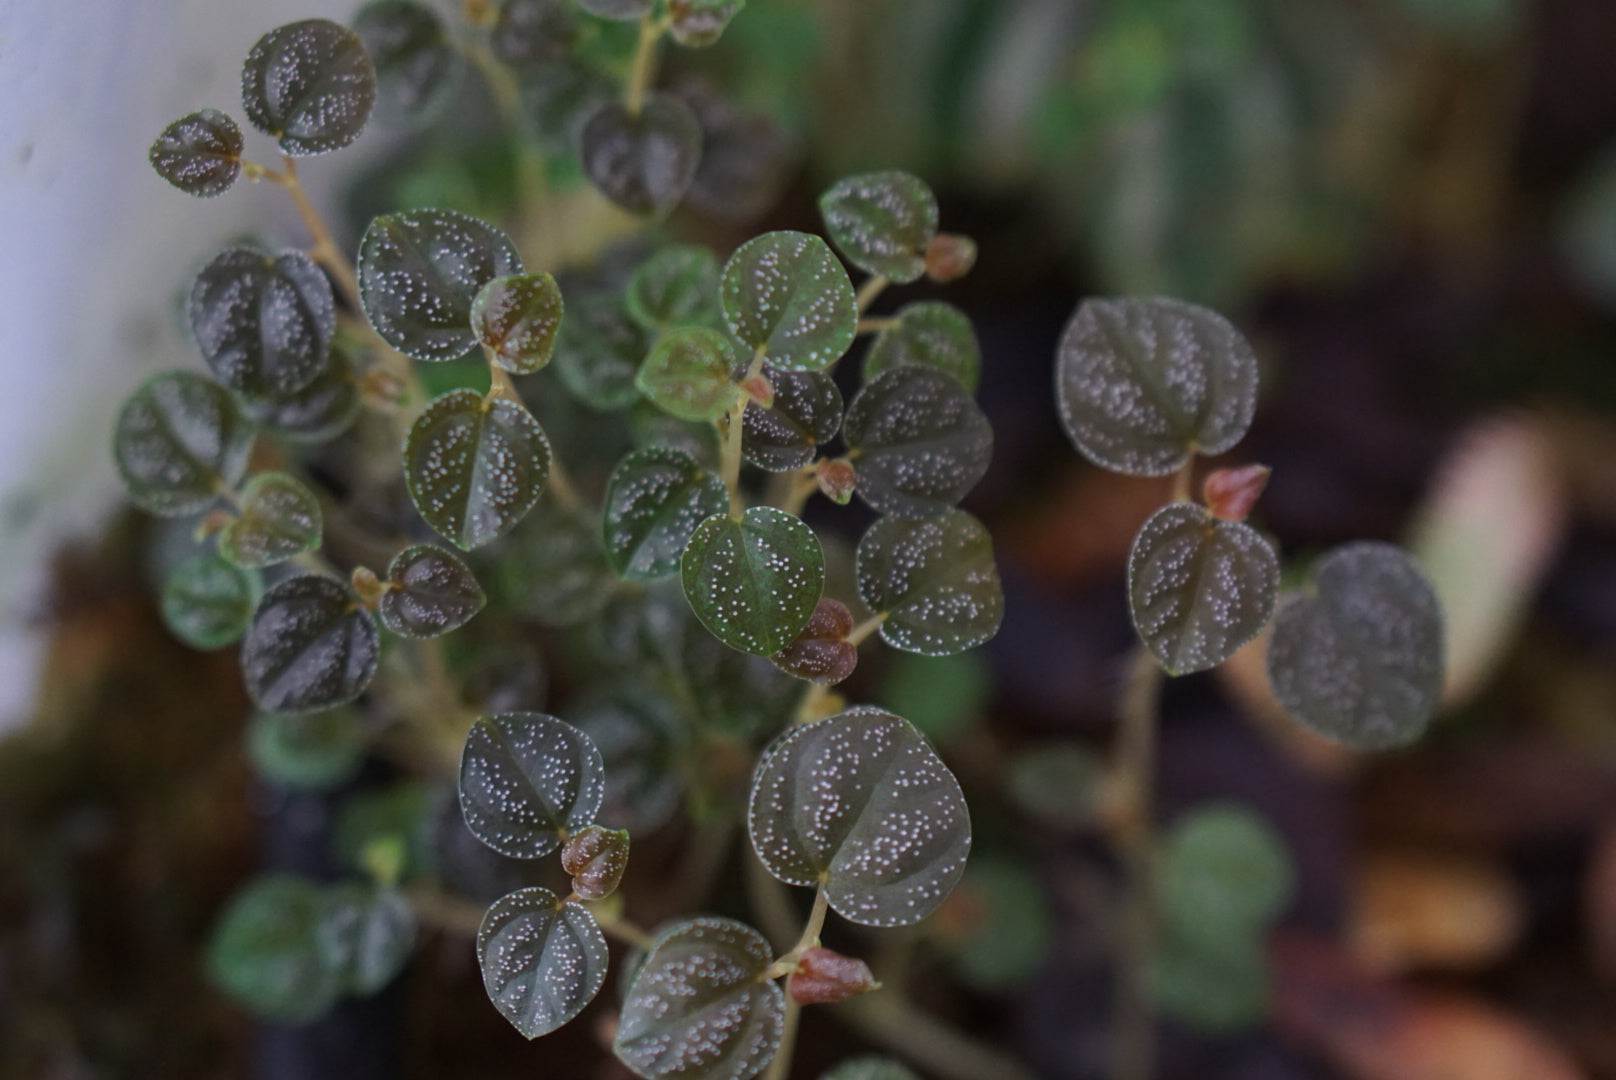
431,593
517,319
642,163
420,271
807,411
1359,655
754,582
935,580
616,9
678,286
698,1008
527,781
475,466
552,566
180,440
599,351
930,333
861,803
785,293
696,24
1142,384
640,737
279,519
310,646
542,960
919,441
882,222
320,411
206,602
310,85
263,322
367,934
1198,587
654,501
415,61
687,374
200,154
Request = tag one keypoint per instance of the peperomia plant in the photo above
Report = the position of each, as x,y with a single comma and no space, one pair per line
701,643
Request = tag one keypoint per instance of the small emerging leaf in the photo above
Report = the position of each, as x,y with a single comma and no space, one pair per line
807,411
542,960
642,163
596,859
517,318
930,333
414,59
687,374
430,593
263,323
678,286
1230,494
279,520
310,85
207,602
935,580
949,257
310,646
882,221
655,500
784,293
918,440
824,976
821,653
754,582
180,442
200,154
695,24
527,781
475,466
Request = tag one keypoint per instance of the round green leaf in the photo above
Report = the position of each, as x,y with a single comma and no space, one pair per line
1144,384
420,271
542,960
930,333
695,24
616,9
430,593
919,442
807,411
1008,937
642,163
640,736
367,935
1359,655
1219,987
265,951
1199,587
527,781
882,221
935,580
678,286
414,59
687,374
306,751
200,154
279,519
517,319
310,85
943,696
1061,784
862,804
870,1068
179,442
655,499
599,351
310,646
1225,874
319,412
207,602
475,466
263,322
699,1008
785,293
553,567
754,582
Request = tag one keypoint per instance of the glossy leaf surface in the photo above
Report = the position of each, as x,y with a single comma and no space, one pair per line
207,603
432,592
475,466
310,85
882,221
180,439
930,333
642,163
266,953
542,960
263,322
821,653
695,24
920,442
786,294
517,319
807,411
678,286
754,582
367,934
200,154
861,802
306,751
527,781
596,858
1225,874
414,59
934,579
279,519
655,499
687,374
310,646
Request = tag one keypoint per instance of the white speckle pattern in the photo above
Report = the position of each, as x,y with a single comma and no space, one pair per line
882,221
862,801
542,960
310,85
200,154
525,779
655,499
433,593
695,24
206,603
930,333
807,411
754,582
642,163
1143,383
475,467
1198,587
280,518
920,442
263,323
518,318
935,580
178,437
310,646
785,293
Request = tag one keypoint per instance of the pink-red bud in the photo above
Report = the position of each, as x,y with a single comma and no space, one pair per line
824,976
1231,493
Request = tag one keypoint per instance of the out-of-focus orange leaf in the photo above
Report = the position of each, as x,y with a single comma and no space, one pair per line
1429,910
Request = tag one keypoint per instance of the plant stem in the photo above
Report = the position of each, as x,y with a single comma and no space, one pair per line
865,629
780,1067
644,70
1134,1023
622,929
868,291
1182,481
875,325
801,486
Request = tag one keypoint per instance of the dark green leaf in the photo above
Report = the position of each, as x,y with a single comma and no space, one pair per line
687,374
736,695
1144,384
882,221
207,602
1061,784
745,158
807,411
642,163
367,935
1198,587
826,800
754,582
529,32
310,647
317,413
475,466
542,960
265,951
517,318
941,695
678,286
1225,874
918,440
180,443
870,1068
784,293
654,501
935,580
527,781
310,750
1008,936
420,271
200,154
1218,987
698,1008
1359,655
279,520
821,653
263,322
696,24
930,333
553,567
310,85
431,593
599,351
640,737
414,59
651,427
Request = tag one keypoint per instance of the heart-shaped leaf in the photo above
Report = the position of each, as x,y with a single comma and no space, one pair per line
266,953
179,443
527,782
695,24
642,163
784,293
415,62
1225,873
860,803
310,646
517,319
806,411
1143,384
687,374
935,581
882,221
678,286
929,333
699,1006
599,352
821,653
918,440
207,602
367,934
655,499
419,273
263,322
430,593
310,85
542,960
746,159
200,154
754,582
1359,656
1198,587
640,736
306,751
317,413
475,466
279,520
